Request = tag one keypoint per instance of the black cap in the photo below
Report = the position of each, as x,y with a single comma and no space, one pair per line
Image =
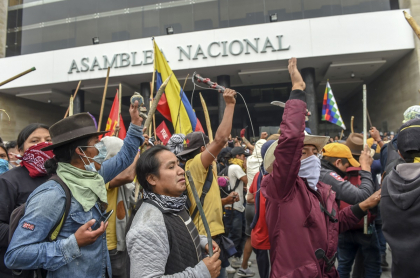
408,143
194,141
238,151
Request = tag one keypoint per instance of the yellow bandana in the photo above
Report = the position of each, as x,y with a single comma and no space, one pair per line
237,161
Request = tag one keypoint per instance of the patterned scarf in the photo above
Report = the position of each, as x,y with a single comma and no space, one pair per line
34,158
176,143
167,203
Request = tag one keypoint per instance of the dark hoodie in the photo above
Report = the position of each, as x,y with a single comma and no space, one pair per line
400,209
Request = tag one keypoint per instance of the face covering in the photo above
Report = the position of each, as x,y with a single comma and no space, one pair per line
4,166
99,158
310,169
33,159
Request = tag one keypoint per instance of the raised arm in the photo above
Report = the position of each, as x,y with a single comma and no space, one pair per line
125,157
289,149
223,131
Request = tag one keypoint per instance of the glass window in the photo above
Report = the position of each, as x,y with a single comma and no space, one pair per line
176,14
245,12
206,15
281,8
317,8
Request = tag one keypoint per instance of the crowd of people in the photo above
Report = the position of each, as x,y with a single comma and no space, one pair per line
76,204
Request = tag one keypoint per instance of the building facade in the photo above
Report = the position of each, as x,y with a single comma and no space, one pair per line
241,44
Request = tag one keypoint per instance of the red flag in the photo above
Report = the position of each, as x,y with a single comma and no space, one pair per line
163,133
199,127
113,120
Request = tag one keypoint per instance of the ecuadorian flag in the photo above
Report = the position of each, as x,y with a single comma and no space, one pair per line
174,101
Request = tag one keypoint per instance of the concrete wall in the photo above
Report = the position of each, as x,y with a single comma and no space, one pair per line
3,27
391,93
23,112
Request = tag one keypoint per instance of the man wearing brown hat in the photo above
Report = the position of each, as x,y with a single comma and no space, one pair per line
78,248
199,155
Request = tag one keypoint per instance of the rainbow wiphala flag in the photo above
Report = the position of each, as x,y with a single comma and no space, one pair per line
330,111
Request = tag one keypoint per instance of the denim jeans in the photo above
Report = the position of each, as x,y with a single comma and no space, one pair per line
235,226
118,263
348,244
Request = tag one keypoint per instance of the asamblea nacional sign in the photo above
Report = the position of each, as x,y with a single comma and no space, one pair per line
188,52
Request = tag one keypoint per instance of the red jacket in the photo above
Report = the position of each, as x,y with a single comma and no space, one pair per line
297,227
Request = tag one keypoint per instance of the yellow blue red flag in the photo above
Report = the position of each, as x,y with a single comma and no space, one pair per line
174,104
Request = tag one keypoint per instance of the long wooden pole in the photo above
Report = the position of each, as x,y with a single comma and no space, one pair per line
413,23
17,76
71,106
155,103
368,116
351,124
103,99
75,94
152,86
341,135
365,219
207,117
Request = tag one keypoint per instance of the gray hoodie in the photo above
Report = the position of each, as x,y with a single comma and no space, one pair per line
400,210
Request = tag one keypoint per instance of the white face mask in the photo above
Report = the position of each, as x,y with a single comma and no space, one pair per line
310,169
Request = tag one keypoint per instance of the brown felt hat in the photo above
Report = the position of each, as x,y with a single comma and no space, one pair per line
72,128
355,143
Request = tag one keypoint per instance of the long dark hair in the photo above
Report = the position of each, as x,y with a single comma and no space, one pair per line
5,149
64,154
148,164
27,131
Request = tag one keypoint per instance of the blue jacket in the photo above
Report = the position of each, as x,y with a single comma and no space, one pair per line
63,258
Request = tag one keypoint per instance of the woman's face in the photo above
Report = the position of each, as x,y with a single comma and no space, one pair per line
40,135
3,154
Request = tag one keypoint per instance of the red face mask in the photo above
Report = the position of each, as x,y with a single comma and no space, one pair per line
33,159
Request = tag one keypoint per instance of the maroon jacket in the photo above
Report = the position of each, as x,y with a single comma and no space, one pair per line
296,225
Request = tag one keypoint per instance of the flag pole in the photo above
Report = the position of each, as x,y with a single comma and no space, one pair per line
71,106
152,85
119,109
365,219
17,76
341,135
206,115
75,93
413,23
179,107
351,124
103,99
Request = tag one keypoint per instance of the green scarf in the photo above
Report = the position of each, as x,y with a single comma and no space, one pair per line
85,186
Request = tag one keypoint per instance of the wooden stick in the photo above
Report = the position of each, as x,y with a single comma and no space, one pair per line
75,94
365,219
119,109
351,124
368,116
17,76
103,99
155,103
341,135
207,117
152,85
413,23
71,106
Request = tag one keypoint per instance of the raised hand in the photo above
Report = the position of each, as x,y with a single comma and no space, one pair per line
297,81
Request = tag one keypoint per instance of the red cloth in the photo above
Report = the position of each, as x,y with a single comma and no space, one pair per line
113,120
199,127
242,134
296,225
353,176
163,108
163,133
33,159
259,235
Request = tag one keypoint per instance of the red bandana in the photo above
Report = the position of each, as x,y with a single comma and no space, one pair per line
33,159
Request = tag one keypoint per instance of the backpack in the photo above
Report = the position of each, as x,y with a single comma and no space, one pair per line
19,212
224,173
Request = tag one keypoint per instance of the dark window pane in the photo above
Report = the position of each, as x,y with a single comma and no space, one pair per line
178,16
281,8
245,12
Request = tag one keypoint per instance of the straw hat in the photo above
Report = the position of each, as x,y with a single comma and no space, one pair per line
318,141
